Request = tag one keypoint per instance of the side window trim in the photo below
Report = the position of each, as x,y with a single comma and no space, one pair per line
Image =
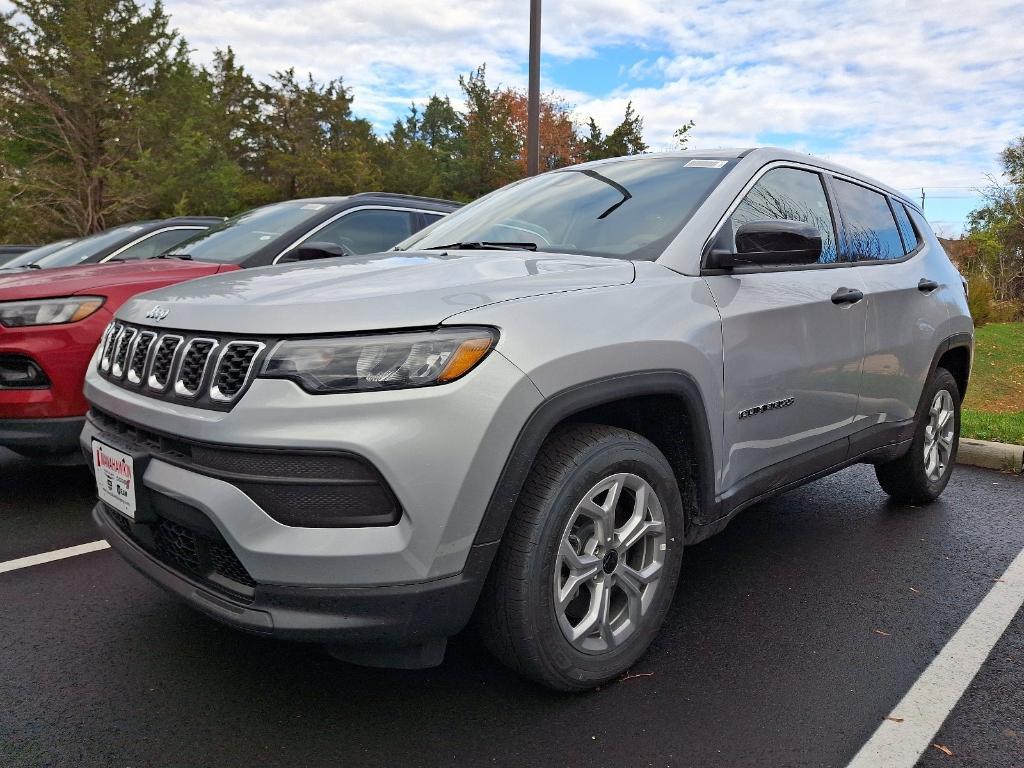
337,216
895,201
145,237
833,210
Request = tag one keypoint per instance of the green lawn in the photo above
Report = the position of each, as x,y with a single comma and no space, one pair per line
994,408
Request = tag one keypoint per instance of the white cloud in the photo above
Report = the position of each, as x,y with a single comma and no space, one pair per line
914,91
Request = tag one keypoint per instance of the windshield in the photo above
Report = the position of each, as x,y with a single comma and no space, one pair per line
628,209
31,257
82,249
241,236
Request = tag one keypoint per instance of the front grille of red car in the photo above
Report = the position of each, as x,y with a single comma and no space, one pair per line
194,369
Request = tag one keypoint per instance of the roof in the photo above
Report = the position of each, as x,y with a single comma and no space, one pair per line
338,199
777,153
765,155
191,220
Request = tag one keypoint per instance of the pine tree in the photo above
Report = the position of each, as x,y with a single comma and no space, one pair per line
79,88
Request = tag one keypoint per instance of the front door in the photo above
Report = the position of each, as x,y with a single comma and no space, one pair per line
794,345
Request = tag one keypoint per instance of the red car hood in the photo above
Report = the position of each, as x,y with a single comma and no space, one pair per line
122,279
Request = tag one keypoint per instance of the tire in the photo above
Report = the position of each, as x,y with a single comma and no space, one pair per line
631,567
912,478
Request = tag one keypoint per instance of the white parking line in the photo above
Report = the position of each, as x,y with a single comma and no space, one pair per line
49,557
908,731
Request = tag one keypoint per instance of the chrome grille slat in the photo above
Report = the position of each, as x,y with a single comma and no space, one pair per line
193,365
108,344
139,356
124,340
163,361
233,369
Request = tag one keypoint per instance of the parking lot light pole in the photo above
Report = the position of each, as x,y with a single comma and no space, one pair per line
533,103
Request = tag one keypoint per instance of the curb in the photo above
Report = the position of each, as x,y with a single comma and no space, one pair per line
984,453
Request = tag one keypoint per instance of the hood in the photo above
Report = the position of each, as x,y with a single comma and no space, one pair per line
101,279
393,290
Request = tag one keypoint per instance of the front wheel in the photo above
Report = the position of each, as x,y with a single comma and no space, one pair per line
920,476
590,560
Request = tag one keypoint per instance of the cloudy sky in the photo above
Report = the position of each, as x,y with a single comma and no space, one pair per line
915,92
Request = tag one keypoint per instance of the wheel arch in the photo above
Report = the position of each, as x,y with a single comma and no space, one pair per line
955,356
660,405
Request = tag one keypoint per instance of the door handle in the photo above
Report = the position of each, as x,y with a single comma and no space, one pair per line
927,286
847,296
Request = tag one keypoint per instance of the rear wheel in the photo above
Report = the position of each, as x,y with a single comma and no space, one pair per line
920,476
590,560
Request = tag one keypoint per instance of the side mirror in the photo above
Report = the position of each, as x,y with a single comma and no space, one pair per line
765,243
315,250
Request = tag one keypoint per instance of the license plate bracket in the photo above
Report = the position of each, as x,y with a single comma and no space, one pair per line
119,471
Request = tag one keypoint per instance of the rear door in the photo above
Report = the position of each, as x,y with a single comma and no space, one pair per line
905,311
793,355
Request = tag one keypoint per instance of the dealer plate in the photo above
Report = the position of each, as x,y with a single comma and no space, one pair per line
115,478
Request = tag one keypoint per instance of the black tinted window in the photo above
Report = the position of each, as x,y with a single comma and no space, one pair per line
871,232
789,193
157,243
910,241
369,231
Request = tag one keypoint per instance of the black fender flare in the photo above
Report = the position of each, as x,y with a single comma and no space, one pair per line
581,397
963,339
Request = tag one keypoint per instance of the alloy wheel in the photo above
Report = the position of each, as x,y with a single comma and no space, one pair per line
609,563
938,435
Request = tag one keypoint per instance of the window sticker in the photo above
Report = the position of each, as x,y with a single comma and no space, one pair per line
705,164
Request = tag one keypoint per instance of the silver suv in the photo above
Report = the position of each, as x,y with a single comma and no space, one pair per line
525,413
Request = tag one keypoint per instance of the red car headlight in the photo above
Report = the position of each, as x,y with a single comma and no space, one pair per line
20,314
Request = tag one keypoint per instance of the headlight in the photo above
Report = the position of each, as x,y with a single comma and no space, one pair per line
386,361
18,314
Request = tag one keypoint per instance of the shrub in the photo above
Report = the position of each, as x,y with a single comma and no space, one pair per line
979,299
1004,312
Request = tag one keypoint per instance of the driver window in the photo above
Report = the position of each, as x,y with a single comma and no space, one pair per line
369,231
789,193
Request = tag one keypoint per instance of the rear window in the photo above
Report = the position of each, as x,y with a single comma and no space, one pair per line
910,238
871,231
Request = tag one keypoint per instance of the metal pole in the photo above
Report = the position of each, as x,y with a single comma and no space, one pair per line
533,103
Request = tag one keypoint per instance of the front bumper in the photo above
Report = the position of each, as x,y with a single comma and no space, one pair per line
63,352
440,451
398,615
41,437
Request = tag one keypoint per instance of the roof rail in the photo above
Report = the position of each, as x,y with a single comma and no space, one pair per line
400,196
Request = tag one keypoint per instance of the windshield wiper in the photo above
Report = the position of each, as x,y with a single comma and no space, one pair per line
613,184
185,256
484,245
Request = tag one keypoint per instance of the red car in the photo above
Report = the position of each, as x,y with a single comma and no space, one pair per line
51,320
50,323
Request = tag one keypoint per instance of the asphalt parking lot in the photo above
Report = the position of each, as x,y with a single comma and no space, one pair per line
793,636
